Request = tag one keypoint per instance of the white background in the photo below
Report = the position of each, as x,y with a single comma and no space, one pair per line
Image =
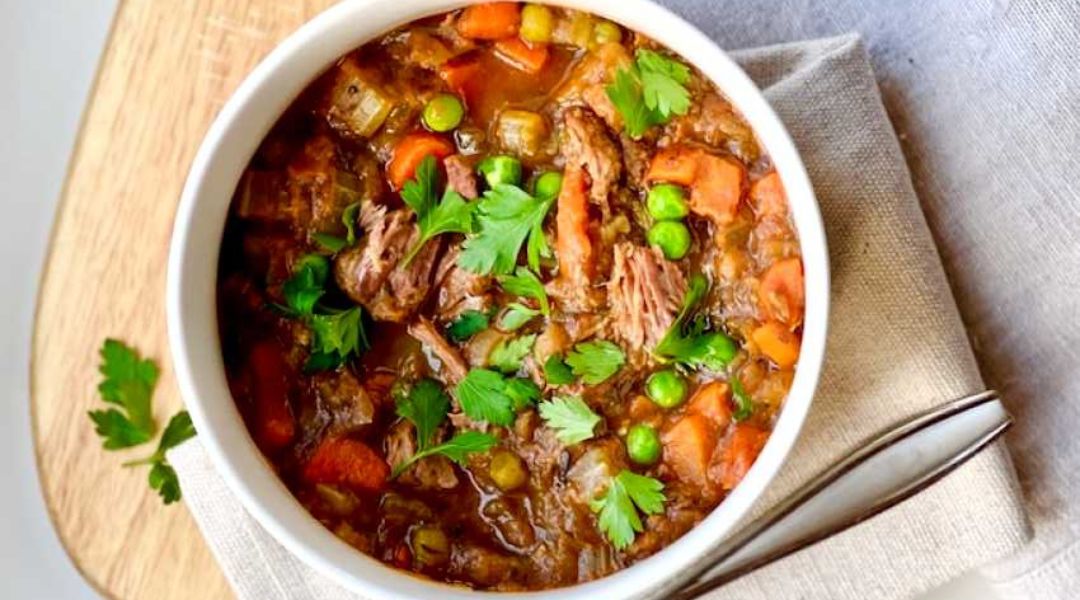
49,51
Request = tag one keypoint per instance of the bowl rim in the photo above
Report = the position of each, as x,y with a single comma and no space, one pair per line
192,277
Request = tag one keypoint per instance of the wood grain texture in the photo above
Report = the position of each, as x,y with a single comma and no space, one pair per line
168,69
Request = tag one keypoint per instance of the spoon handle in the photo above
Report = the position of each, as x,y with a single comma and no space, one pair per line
890,468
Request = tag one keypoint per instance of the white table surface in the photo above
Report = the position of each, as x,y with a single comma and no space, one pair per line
49,50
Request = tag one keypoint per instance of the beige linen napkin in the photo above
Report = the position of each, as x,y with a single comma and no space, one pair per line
896,347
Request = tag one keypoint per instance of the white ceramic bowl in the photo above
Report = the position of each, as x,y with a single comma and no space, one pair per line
193,260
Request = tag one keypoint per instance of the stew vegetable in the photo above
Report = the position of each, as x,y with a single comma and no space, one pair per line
510,297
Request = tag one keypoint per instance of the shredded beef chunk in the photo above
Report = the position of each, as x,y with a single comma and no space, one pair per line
431,473
460,176
371,273
452,367
646,292
458,290
586,143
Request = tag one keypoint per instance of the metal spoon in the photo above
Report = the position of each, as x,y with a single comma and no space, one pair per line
890,468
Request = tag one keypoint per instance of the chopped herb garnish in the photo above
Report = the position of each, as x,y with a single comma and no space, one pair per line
128,383
687,341
452,214
572,419
331,243
506,216
508,355
594,362
468,324
744,405
487,395
457,449
525,283
650,91
334,244
336,334
517,315
557,372
618,518
425,406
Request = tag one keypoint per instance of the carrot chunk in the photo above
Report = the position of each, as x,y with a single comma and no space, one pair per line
674,164
740,453
777,342
572,227
412,149
768,196
712,400
717,188
530,58
782,296
347,462
491,21
460,72
688,444
274,425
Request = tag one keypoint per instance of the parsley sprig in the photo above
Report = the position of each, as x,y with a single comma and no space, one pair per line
162,476
526,284
509,354
487,395
688,340
334,244
506,217
594,362
618,507
650,91
457,449
468,324
128,383
426,406
572,419
337,334
744,405
452,214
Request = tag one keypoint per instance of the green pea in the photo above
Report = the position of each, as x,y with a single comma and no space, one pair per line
605,32
643,444
548,185
537,23
718,349
667,202
672,237
443,112
500,169
666,388
507,470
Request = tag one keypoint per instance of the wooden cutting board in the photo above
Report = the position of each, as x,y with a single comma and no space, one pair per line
167,70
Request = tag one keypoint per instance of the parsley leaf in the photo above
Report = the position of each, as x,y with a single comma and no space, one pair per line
336,336
508,355
595,361
162,477
128,382
650,91
572,419
452,214
506,216
331,243
487,395
457,449
517,315
618,507
303,290
556,371
687,341
744,405
525,283
425,406
348,219
468,324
